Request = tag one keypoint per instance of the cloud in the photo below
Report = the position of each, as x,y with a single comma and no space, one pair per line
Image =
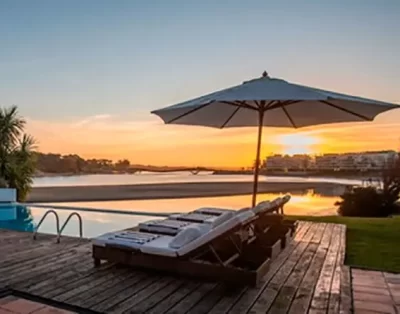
92,119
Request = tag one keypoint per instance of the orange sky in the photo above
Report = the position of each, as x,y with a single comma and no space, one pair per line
151,142
86,74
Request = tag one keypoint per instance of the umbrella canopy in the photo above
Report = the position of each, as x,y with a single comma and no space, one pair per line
271,102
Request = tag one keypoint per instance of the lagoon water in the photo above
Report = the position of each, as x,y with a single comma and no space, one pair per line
172,177
310,202
96,223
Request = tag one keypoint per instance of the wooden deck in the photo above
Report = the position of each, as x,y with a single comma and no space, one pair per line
307,277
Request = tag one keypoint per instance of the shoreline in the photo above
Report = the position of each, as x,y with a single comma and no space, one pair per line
58,194
294,174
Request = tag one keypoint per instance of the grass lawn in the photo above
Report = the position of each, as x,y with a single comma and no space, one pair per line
371,242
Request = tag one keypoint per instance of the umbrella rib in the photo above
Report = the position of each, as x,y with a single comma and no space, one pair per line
246,105
288,116
269,104
346,110
280,104
240,105
230,117
189,112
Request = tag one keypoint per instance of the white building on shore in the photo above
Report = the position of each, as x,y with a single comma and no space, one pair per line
285,162
364,161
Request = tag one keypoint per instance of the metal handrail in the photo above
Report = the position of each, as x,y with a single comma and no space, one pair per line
43,218
68,219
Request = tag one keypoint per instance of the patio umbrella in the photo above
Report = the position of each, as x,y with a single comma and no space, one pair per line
271,102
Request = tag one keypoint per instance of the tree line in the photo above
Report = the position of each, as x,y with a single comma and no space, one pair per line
74,164
20,162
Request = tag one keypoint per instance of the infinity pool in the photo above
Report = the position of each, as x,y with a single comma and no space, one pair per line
25,218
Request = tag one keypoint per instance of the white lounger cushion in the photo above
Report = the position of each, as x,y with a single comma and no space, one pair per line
190,239
218,211
215,232
184,242
204,218
189,234
222,218
213,210
130,239
168,226
168,246
194,217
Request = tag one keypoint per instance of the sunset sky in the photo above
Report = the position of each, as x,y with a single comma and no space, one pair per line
86,74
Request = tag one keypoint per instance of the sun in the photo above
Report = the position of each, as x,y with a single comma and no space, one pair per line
298,143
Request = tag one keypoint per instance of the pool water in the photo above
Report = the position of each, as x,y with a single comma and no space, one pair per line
25,218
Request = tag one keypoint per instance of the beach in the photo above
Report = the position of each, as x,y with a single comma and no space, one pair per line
165,191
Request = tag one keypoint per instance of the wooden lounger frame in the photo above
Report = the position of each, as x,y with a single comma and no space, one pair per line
241,255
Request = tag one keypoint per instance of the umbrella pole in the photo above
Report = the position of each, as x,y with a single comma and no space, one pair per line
257,165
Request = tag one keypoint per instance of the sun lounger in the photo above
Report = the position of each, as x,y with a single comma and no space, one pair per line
214,243
200,249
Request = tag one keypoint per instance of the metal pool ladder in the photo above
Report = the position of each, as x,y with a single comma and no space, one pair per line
60,230
68,219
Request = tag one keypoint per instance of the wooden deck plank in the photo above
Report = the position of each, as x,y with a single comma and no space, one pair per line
76,267
334,295
39,258
108,294
65,272
245,301
305,291
150,302
345,303
265,299
63,293
287,292
174,298
18,275
107,305
320,301
40,253
129,304
230,297
209,300
83,294
193,298
33,251
59,284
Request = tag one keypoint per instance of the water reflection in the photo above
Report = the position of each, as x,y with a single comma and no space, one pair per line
18,218
306,202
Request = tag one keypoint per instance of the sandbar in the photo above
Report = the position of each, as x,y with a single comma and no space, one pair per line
169,191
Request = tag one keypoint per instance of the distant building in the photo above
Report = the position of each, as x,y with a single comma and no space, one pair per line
326,162
354,161
377,160
286,162
363,161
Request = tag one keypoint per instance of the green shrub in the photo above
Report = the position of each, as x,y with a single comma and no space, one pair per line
365,202
3,183
17,158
